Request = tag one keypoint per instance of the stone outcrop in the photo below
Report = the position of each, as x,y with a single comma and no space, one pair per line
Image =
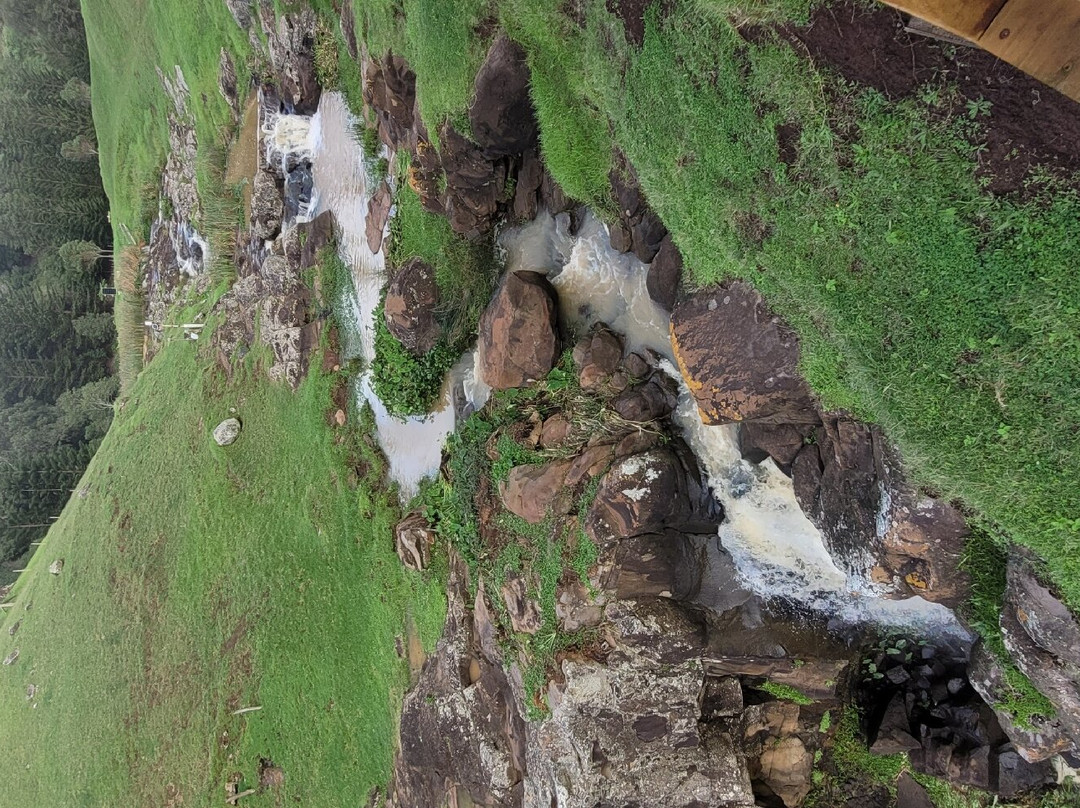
267,206
291,46
518,341
378,213
409,310
474,184
638,229
413,539
665,274
390,91
535,491
501,115
739,359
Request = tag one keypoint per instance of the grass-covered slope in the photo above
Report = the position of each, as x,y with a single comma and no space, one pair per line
923,302
198,580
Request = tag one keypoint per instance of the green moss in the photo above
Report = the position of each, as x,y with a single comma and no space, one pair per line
785,693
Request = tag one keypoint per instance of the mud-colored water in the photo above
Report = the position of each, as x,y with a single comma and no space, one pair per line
778,551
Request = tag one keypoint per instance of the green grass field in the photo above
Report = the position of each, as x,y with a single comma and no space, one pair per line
199,580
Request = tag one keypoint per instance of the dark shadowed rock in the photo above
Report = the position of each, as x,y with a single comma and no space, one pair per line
474,184
410,307
377,215
781,442
315,235
517,339
652,400
413,539
665,274
555,431
552,196
638,229
298,187
534,491
1015,776
347,20
227,85
909,794
739,360
267,207
1046,620
530,178
501,114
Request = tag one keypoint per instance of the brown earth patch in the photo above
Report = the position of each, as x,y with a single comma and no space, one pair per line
632,13
1029,124
243,159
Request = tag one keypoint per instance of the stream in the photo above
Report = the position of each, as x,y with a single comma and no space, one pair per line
777,550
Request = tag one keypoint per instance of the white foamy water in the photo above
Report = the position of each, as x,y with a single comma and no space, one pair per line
778,551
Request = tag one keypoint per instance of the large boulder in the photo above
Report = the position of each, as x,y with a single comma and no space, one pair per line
291,45
740,361
267,206
517,341
650,492
665,274
501,115
410,307
390,90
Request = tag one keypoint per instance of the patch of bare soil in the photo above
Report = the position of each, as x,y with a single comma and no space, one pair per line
632,14
1029,124
243,159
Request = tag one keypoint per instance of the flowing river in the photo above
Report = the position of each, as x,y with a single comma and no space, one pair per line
777,550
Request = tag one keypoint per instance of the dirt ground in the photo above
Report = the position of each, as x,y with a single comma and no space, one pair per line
1029,123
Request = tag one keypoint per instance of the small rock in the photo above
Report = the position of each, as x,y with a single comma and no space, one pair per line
55,568
523,610
413,538
340,417
555,431
31,691
14,628
227,432
785,769
909,794
267,206
10,658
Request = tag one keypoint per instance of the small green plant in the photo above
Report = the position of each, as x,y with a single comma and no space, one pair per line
327,56
785,693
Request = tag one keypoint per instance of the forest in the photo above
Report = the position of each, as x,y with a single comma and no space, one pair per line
56,326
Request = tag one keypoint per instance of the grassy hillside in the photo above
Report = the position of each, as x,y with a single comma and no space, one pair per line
199,580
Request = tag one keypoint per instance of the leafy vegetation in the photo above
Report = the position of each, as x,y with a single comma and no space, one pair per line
465,273
785,692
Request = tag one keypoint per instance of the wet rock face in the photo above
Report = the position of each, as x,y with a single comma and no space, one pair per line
304,241
665,274
298,186
267,207
739,360
410,307
639,229
501,116
291,45
517,341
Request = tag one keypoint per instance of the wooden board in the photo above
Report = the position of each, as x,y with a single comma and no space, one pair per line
1042,38
966,18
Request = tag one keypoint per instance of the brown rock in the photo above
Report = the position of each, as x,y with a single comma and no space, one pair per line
665,274
413,539
739,360
592,461
781,442
785,769
649,492
576,608
553,197
291,47
530,177
390,90
651,401
340,417
501,114
377,214
523,610
597,357
474,184
410,307
555,431
534,491
909,794
517,342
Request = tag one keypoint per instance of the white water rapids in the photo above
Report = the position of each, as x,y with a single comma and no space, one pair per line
778,552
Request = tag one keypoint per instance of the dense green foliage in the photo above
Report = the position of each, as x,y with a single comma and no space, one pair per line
465,273
56,334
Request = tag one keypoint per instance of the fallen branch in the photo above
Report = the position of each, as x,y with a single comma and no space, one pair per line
235,798
243,710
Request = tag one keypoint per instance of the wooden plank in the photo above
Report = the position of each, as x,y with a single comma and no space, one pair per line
1042,38
966,18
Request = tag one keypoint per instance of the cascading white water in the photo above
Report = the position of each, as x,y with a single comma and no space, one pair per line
288,137
777,550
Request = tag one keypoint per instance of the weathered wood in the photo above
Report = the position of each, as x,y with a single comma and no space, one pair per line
1042,38
923,28
245,710
235,798
966,18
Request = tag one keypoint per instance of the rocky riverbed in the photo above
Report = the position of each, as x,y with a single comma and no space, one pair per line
758,565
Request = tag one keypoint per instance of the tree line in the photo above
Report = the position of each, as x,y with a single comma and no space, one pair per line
56,328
